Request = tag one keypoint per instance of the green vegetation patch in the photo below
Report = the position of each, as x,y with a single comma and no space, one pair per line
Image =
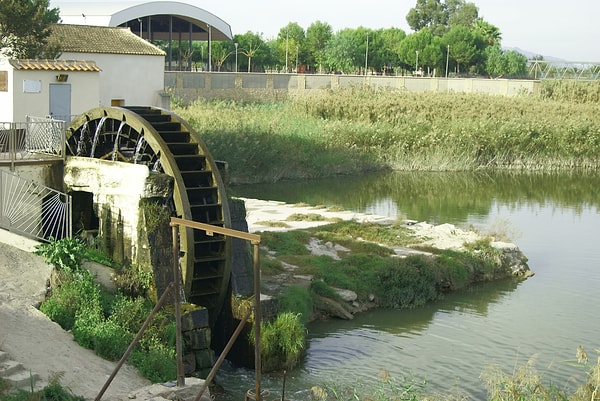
107,323
390,235
287,243
370,267
282,341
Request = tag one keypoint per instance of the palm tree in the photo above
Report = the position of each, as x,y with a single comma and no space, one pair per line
490,33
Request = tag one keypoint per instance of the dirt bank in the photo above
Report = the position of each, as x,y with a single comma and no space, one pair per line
41,345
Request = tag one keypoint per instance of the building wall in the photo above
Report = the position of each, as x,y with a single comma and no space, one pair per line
128,80
28,92
6,89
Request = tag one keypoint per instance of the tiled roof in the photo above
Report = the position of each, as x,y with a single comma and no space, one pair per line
101,39
55,65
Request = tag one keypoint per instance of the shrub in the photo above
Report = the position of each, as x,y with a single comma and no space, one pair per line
158,363
111,340
296,300
129,313
286,243
66,300
320,288
87,319
282,341
65,254
409,282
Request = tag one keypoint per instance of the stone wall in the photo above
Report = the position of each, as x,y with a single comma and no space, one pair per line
117,189
189,86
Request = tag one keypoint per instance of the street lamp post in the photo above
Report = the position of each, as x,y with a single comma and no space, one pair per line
367,54
236,44
287,49
447,58
209,47
417,62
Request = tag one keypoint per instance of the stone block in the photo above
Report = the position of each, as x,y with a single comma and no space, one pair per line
194,319
189,363
204,359
197,339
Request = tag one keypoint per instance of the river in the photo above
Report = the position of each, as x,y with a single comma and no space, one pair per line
553,217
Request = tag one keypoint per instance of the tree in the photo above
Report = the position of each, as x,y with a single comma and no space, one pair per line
25,26
495,64
383,48
464,45
428,46
504,63
430,14
490,33
290,39
254,48
219,53
318,34
440,16
342,52
516,63
461,13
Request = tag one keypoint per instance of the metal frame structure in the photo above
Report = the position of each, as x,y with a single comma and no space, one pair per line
564,70
176,223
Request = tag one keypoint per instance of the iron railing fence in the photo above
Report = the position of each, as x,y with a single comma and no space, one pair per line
32,209
35,138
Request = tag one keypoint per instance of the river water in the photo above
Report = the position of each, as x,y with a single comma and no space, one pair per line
553,218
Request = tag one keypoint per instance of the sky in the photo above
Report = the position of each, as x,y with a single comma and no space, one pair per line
568,30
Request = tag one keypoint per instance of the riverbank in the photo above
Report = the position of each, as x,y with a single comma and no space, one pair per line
423,239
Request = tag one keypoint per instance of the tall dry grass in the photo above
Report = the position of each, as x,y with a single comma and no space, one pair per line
348,131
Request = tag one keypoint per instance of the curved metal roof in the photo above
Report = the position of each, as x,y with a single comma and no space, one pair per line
152,20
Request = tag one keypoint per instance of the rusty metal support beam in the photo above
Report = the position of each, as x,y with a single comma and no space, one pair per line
137,338
177,301
255,240
228,347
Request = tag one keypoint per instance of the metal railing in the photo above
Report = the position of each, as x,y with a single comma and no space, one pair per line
35,138
30,208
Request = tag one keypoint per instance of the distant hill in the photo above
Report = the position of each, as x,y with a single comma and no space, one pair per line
531,55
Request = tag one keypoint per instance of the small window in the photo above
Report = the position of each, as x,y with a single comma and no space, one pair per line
117,102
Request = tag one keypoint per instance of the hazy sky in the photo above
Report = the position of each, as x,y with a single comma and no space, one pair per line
568,30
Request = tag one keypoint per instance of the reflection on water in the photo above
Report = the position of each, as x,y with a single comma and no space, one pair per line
437,197
450,342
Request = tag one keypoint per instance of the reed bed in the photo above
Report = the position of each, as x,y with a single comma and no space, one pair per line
348,131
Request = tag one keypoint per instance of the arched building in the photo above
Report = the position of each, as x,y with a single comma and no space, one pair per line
155,20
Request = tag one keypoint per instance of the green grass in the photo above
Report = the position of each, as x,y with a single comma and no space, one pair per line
350,131
371,267
107,323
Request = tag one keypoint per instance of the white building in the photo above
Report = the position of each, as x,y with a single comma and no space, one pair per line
132,69
47,87
106,61
99,66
